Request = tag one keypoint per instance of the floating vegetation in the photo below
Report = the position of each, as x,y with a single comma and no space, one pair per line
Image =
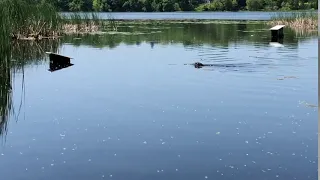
308,104
287,77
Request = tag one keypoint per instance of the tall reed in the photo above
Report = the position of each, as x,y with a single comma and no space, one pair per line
300,20
22,19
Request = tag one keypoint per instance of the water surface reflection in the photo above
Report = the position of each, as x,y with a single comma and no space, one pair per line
131,109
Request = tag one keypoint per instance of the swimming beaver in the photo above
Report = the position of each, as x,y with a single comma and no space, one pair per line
200,65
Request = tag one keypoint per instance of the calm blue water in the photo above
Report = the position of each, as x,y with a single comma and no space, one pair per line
252,15
136,112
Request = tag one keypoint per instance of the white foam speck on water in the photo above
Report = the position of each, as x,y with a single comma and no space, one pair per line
2,154
21,153
163,142
179,155
253,162
115,154
89,160
144,142
102,176
52,164
177,170
206,177
247,142
110,175
277,176
158,171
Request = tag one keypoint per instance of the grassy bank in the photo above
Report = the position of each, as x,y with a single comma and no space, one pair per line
21,19
302,21
27,20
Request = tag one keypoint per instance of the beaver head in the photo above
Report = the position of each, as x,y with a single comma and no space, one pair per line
198,65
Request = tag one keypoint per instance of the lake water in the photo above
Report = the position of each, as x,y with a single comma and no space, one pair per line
129,109
252,15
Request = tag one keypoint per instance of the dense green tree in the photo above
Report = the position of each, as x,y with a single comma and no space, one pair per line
168,5
76,5
234,5
227,5
254,5
186,5
178,5
217,5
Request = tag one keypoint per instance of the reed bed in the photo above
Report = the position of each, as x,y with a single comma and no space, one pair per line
26,20
22,19
300,21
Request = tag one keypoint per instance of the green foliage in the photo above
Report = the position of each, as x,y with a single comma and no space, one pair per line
255,5
180,5
76,5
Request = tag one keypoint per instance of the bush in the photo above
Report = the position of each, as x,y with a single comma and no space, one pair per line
255,5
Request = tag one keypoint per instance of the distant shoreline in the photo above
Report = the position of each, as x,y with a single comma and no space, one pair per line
157,12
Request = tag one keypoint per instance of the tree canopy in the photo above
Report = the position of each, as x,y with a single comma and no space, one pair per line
181,5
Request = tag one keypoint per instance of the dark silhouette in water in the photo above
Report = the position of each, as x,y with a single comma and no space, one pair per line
54,65
58,62
200,65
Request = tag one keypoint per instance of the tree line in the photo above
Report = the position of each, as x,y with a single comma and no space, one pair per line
180,5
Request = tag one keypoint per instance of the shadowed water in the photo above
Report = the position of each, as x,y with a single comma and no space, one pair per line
130,109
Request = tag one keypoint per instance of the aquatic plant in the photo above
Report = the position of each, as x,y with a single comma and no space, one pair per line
301,20
28,20
14,56
5,88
